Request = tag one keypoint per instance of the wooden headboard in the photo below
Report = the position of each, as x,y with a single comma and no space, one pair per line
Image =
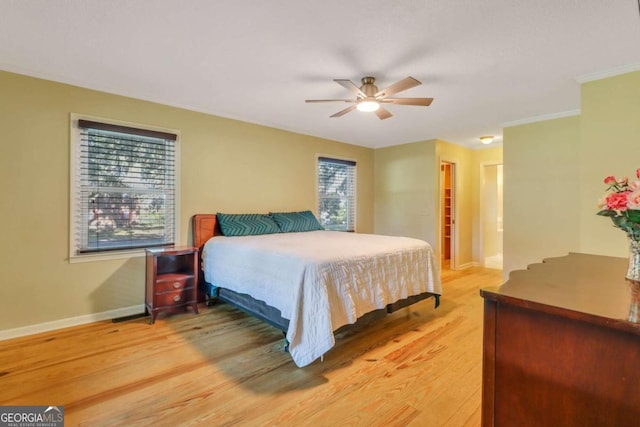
205,226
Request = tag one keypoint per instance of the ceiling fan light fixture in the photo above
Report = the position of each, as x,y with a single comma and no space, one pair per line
488,139
370,99
368,105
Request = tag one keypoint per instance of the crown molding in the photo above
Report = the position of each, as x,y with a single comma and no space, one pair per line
585,78
541,118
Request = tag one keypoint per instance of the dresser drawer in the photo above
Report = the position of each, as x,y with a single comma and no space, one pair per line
173,282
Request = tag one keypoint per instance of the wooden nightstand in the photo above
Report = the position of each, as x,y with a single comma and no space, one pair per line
172,280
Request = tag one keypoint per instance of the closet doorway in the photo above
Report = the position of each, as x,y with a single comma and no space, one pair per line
447,215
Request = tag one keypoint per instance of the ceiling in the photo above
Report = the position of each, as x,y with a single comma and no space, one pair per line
486,63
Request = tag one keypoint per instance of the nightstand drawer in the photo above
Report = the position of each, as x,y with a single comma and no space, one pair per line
172,282
169,299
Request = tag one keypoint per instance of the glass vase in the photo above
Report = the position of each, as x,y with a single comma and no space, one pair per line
633,272
634,302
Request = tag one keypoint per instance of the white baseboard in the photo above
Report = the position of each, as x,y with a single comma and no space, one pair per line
468,265
71,321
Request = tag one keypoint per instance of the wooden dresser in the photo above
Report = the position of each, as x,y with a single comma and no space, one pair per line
559,349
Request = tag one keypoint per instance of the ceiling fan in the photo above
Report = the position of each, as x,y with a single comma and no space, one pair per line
369,98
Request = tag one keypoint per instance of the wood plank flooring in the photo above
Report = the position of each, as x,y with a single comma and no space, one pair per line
418,367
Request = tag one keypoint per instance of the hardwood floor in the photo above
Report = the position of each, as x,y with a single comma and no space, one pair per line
416,367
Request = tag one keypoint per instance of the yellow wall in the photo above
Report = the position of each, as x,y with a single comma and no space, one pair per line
554,173
541,191
610,129
226,165
407,192
490,244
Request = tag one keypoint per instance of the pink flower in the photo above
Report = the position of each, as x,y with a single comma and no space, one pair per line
618,201
633,200
602,203
634,186
610,180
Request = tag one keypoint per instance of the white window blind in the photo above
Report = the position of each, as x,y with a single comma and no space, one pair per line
337,194
124,188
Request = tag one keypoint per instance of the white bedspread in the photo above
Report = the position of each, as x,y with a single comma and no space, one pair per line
321,280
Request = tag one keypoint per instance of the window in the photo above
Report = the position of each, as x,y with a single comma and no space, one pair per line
337,194
123,193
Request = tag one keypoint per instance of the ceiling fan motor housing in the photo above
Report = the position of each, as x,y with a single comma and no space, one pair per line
368,87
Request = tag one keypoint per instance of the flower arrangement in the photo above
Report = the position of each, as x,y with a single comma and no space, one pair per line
622,204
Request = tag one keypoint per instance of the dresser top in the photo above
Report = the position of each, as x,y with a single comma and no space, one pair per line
582,286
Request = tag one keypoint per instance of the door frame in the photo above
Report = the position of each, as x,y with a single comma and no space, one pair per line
481,215
453,251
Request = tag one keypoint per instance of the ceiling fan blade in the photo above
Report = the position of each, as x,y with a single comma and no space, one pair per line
408,101
329,100
349,85
399,86
343,112
383,113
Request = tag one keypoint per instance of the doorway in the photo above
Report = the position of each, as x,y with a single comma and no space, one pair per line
447,203
491,214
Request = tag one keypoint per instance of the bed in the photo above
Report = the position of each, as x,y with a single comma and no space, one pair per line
310,284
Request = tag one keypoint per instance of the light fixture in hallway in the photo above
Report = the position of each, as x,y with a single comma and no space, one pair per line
487,139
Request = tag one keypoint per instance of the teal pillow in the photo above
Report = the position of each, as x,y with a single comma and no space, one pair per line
246,224
296,221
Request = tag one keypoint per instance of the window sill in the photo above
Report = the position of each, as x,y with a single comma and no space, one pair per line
125,254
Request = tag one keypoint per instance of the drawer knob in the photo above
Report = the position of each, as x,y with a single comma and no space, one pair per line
176,298
176,285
